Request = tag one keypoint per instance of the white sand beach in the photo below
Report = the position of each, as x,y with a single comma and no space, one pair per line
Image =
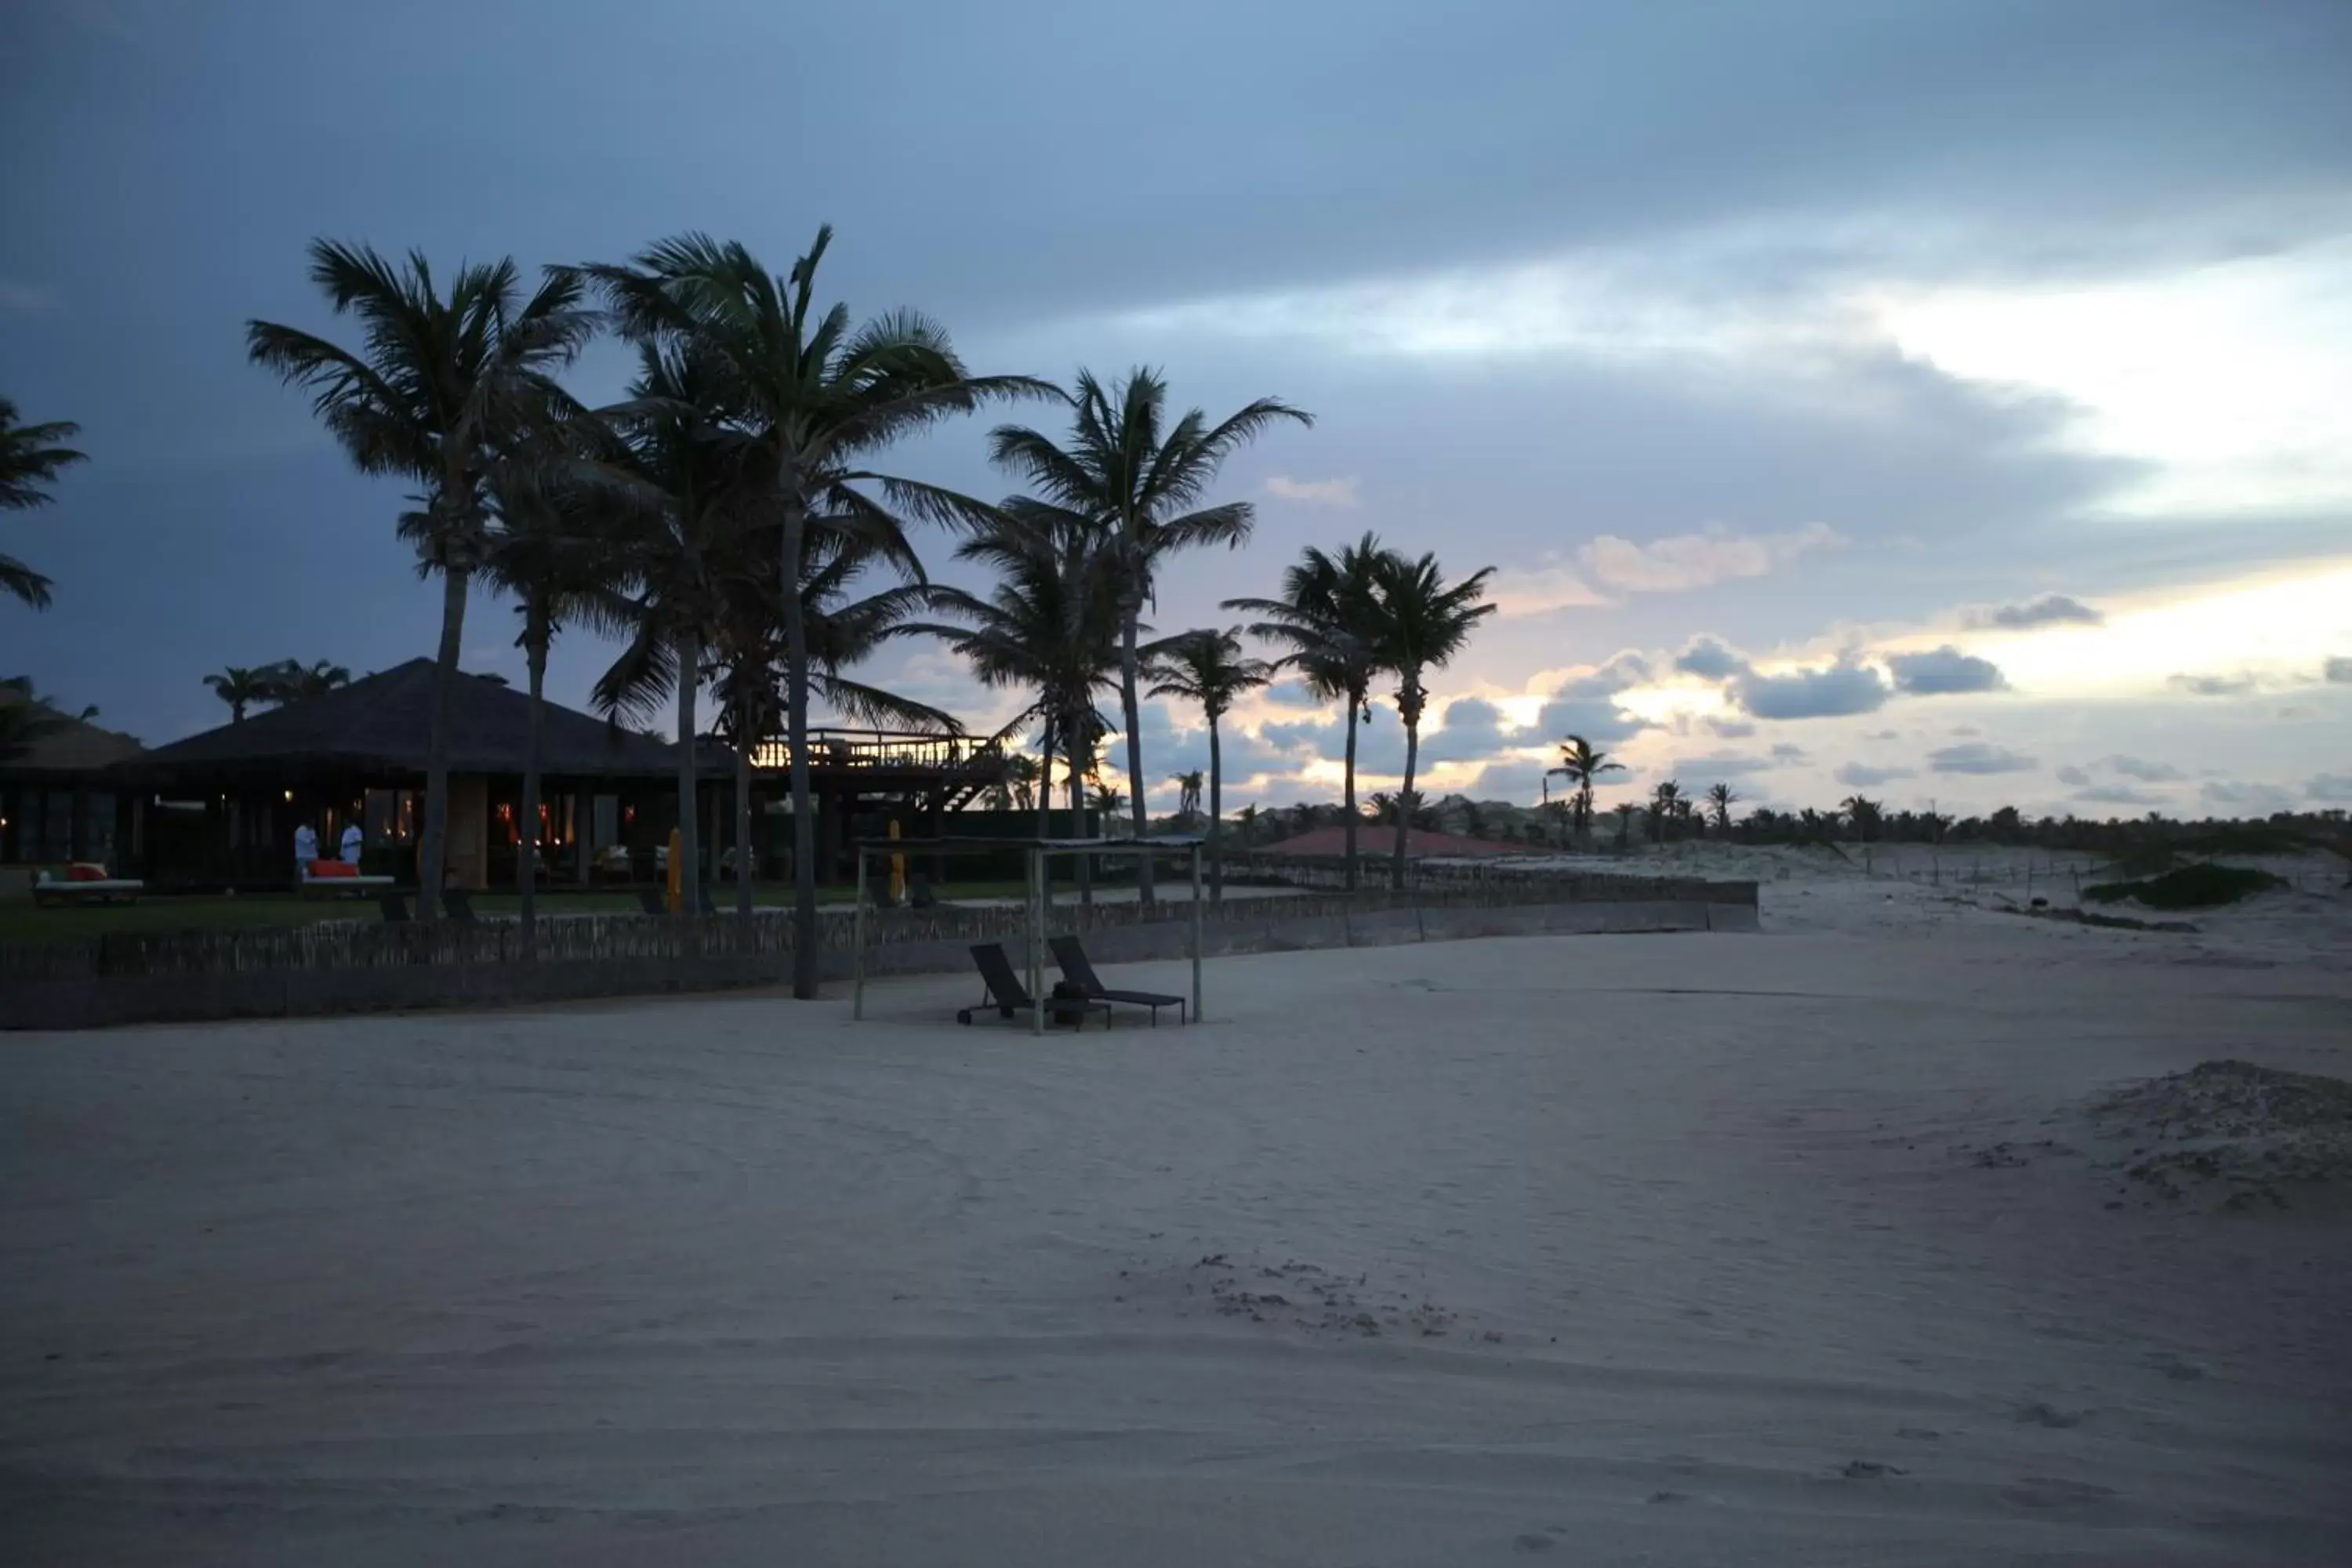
1801,1248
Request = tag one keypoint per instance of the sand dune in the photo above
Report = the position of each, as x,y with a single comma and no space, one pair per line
1693,1250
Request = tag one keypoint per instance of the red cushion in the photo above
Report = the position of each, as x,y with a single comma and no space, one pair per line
83,871
332,868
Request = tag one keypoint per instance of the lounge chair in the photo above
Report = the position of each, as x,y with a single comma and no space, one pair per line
1010,998
1071,954
48,889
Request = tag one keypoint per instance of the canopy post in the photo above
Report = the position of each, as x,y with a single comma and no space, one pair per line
1196,933
1036,940
857,942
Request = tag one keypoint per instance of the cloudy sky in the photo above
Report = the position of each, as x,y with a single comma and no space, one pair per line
1948,401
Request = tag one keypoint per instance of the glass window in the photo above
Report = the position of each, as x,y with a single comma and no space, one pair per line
97,826
57,825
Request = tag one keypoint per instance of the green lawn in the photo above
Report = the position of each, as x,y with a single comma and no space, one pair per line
20,921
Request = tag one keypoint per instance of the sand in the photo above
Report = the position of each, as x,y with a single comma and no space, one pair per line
1815,1246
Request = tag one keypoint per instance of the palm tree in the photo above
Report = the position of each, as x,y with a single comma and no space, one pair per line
241,688
1582,766
808,395
1666,802
1139,481
1626,809
1329,616
1018,791
557,547
1209,667
1864,813
1188,795
30,460
288,682
1720,802
1423,623
442,387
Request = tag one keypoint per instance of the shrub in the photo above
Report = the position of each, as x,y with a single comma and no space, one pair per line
2190,888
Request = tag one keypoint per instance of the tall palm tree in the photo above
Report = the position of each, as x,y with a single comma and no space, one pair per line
1328,617
241,688
1424,623
1209,667
1018,790
1140,481
442,385
1583,767
1188,795
1665,804
809,396
27,717
1864,813
30,460
1719,801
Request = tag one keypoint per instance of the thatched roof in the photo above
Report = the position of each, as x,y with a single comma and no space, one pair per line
383,722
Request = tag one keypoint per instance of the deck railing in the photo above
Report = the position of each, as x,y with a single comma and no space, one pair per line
877,749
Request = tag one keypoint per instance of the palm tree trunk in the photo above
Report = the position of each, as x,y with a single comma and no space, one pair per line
1130,671
1085,862
535,638
433,842
796,694
690,829
1045,781
1404,796
1216,817
747,736
1348,796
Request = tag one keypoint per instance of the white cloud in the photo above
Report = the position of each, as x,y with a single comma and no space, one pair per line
1339,492
1683,561
1861,776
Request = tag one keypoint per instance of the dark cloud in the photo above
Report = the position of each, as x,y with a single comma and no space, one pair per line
1293,694
2330,787
2144,771
2246,799
1978,757
2117,795
1473,729
1709,658
1785,752
1729,728
2337,672
1943,672
1722,764
2050,610
2212,685
2072,775
1832,691
1861,776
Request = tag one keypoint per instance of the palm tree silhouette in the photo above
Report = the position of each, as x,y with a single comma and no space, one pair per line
443,385
1424,623
241,688
1329,616
1582,766
1719,801
1208,668
30,461
1140,481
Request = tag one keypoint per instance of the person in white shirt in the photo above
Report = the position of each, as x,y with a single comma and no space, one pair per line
352,838
306,850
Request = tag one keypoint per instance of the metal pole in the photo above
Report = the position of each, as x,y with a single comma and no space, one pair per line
857,943
1036,959
1196,933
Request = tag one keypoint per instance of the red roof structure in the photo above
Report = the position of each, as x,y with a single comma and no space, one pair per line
1419,843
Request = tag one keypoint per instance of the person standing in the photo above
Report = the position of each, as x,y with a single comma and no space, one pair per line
353,840
306,850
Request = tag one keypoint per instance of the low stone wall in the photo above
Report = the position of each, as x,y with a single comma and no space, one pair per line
1242,926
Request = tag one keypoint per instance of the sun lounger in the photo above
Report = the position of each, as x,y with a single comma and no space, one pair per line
48,889
1071,954
1010,998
